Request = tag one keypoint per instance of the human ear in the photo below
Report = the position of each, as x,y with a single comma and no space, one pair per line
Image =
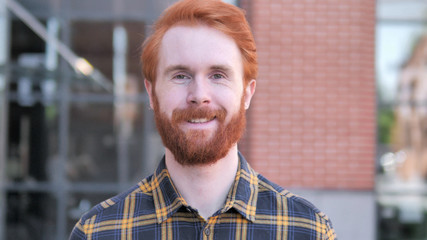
249,92
149,88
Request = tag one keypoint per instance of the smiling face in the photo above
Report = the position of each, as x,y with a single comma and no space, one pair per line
199,98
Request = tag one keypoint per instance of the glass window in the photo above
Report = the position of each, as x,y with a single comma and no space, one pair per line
72,143
402,120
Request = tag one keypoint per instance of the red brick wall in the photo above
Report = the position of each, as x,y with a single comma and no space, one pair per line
312,120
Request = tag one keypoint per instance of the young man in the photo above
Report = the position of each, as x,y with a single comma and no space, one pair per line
200,69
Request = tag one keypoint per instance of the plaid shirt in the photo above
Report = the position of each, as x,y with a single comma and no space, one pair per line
255,209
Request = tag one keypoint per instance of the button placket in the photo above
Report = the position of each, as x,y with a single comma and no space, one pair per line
207,231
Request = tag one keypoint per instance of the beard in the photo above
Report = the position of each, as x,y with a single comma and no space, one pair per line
196,147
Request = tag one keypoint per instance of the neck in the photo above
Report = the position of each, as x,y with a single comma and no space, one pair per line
204,187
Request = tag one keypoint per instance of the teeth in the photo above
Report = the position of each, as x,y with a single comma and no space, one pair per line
199,120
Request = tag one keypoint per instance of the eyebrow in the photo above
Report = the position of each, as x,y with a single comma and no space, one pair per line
173,68
180,67
224,68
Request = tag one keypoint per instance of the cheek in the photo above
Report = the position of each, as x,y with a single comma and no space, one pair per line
169,101
232,104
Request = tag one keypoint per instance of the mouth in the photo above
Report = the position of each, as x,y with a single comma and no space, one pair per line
200,120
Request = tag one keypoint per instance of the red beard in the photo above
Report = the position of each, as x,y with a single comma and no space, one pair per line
193,147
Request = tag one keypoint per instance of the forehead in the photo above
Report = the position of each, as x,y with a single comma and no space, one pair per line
198,45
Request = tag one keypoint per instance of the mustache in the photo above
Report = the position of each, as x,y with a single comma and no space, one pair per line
187,114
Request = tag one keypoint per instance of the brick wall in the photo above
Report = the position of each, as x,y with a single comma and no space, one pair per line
312,120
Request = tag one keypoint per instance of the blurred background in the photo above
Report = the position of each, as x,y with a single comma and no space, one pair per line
339,116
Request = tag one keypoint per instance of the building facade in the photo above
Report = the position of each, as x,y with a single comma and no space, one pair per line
311,126
312,123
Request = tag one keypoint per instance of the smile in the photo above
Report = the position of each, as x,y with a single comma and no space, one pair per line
200,120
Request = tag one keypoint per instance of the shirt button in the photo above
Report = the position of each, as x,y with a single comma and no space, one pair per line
207,231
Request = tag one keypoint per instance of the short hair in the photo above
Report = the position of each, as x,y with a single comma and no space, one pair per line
224,17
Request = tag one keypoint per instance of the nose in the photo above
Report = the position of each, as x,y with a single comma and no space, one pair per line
198,92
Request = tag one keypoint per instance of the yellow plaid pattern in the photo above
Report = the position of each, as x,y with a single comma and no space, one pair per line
255,209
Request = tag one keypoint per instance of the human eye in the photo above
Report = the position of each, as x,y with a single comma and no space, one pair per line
180,77
218,76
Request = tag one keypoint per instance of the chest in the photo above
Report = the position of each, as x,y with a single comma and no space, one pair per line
228,226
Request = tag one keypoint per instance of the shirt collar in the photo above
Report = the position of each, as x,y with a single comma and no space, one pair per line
242,196
167,199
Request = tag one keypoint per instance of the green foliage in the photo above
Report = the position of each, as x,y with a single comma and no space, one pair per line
385,122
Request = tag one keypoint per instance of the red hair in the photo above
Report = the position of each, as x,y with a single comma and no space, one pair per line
224,17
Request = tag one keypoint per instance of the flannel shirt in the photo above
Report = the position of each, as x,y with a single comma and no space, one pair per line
255,209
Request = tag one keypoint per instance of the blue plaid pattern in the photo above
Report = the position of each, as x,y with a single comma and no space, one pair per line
255,209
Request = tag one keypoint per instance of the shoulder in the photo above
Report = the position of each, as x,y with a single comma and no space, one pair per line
277,200
140,194
268,189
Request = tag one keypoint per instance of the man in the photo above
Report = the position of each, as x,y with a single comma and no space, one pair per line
200,69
